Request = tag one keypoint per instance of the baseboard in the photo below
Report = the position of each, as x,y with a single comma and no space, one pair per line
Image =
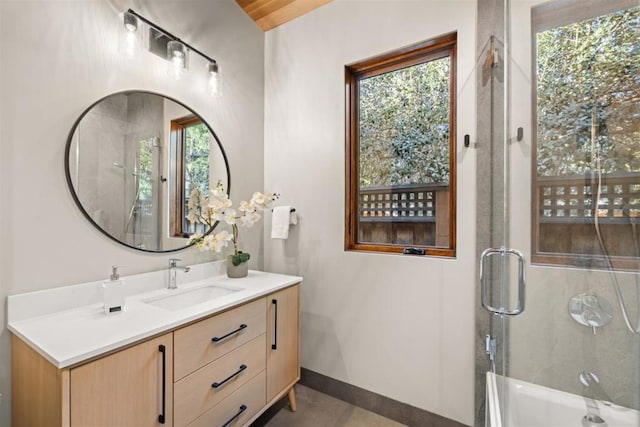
381,405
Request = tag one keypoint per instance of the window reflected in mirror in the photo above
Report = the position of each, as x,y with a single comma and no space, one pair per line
192,147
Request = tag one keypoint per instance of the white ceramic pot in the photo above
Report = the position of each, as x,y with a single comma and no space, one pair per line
237,271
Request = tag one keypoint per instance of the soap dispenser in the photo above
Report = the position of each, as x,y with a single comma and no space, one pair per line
113,290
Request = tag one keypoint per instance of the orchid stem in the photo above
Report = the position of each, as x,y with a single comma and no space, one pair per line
235,238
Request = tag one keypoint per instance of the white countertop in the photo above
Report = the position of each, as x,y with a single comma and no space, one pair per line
73,335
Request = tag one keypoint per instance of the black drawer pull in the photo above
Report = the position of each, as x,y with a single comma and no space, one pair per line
230,377
274,346
216,339
162,350
232,419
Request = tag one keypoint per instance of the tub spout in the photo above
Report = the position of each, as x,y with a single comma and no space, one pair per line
593,420
590,380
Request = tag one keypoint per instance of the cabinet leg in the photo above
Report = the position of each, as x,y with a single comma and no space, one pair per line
292,400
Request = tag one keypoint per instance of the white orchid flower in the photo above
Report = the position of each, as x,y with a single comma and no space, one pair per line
195,199
219,192
271,197
195,237
249,219
224,235
217,242
257,199
216,206
207,242
230,216
246,220
244,207
193,216
207,214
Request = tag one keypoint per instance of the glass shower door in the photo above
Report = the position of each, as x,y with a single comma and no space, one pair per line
558,201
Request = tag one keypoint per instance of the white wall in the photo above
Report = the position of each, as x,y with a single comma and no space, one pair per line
396,325
58,57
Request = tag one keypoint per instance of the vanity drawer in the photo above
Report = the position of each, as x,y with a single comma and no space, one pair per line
195,394
244,402
193,344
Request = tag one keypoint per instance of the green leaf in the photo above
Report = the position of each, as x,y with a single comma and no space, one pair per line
239,258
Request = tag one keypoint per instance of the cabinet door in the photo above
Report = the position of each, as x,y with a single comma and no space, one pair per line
283,363
127,388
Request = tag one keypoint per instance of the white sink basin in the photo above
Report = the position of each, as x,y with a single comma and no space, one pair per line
178,299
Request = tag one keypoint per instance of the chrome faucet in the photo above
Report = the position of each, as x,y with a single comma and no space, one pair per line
591,381
173,272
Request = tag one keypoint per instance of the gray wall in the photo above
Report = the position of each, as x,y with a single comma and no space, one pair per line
58,57
99,141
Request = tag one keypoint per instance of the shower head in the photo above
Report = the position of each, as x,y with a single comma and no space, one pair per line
121,166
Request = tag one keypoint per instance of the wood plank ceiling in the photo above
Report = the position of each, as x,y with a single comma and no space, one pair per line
269,14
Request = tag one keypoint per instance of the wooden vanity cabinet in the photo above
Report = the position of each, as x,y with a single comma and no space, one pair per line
132,387
255,361
283,358
122,389
39,390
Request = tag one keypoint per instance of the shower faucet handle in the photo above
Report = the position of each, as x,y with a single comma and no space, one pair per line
590,310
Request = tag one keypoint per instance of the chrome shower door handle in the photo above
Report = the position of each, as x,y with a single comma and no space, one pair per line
502,311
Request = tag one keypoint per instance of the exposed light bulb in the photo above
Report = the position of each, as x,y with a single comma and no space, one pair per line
213,83
130,35
177,62
177,55
130,44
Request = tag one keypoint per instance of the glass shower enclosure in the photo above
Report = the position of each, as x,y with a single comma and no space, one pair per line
558,202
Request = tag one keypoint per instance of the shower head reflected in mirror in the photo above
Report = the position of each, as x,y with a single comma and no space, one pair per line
123,167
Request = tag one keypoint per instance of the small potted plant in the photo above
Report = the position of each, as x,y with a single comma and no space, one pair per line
218,207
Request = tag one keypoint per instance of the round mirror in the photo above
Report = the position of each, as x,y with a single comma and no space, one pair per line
132,160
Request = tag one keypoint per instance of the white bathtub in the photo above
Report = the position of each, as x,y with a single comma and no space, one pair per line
531,405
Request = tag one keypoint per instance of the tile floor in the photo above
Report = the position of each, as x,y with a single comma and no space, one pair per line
316,409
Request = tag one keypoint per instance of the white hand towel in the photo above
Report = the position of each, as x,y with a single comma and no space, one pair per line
280,222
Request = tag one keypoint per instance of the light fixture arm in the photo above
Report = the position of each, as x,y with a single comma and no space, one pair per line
171,36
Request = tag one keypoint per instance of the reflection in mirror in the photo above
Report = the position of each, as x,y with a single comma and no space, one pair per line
192,141
133,159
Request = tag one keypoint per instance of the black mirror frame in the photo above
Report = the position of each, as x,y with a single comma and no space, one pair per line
67,170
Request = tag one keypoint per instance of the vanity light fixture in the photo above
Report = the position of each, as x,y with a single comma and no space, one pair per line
213,83
174,50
